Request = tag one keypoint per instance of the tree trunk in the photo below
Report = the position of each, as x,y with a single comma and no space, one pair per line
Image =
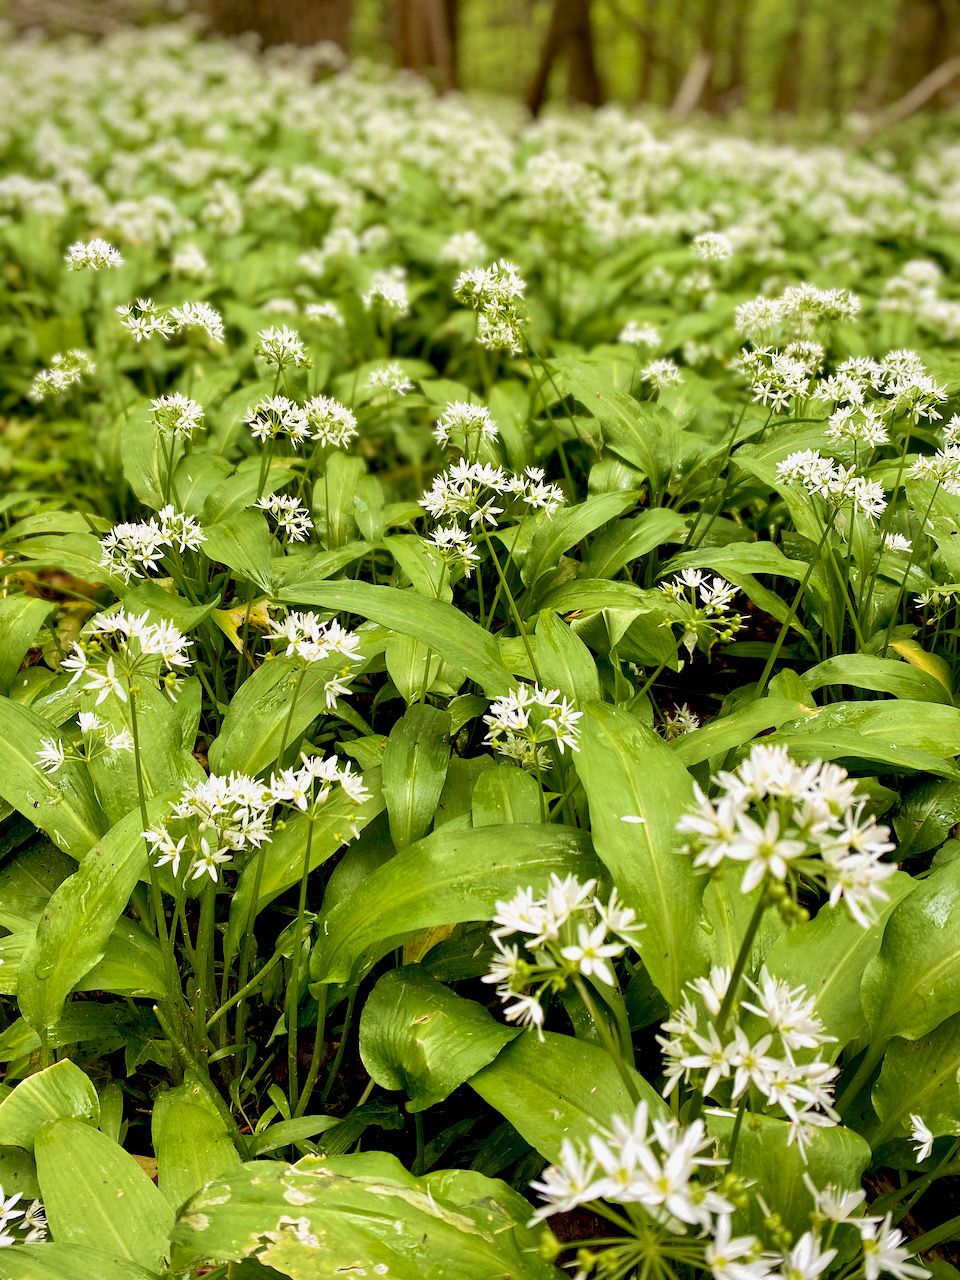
425,33
570,36
300,22
787,89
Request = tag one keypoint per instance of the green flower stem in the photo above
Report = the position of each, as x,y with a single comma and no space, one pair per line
202,1074
204,966
254,982
743,955
335,1068
156,896
912,1191
948,1230
735,1134
775,652
875,1051
292,1002
607,1040
518,621
313,1071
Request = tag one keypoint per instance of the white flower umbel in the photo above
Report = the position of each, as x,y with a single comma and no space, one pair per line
210,823
711,246
276,416
494,293
92,255
388,290
292,518
281,348
200,316
534,717
177,415
702,607
142,319
311,640
467,425
455,548
129,550
884,1252
65,371
120,647
781,820
96,739
635,334
566,934
329,422
392,378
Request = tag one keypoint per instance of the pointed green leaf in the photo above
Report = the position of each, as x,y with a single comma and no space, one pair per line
54,1260
414,769
450,877
21,617
913,983
919,1077
453,635
629,772
418,1035
559,1088
190,1140
565,662
64,805
243,543
505,794
371,1216
58,1092
96,1195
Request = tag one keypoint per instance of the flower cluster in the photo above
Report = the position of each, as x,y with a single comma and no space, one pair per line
702,607
639,335
281,348
310,640
96,739
520,722
455,547
177,415
293,519
211,822
469,489
92,255
659,1164
64,372
799,310
392,378
21,1226
468,424
780,820
143,319
837,484
388,289
566,934
330,423
775,377
125,645
774,1061
662,373
130,548
494,293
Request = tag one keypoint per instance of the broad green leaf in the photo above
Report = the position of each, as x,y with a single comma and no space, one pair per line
629,772
273,708
564,660
243,543
283,856
96,1195
919,1077
412,666
58,1092
232,496
369,1214
829,954
559,1088
333,496
27,881
505,794
727,911
285,1132
196,477
81,1021
628,540
62,805
928,813
80,917
885,675
54,1260
735,730
907,736
452,876
414,769
422,564
453,635
142,449
558,533
418,1035
21,617
75,553
913,983
930,664
644,434
190,1140
131,964
766,1156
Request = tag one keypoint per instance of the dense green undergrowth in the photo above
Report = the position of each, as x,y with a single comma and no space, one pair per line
477,653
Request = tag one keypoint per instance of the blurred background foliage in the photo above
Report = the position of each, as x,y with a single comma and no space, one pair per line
818,60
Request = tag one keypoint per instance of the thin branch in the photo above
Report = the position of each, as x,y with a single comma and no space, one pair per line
912,101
